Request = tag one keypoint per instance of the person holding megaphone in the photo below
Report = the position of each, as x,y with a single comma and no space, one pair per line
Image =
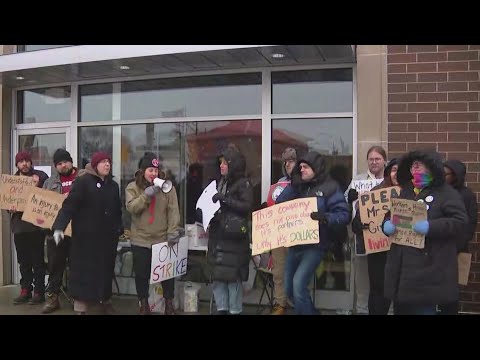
153,204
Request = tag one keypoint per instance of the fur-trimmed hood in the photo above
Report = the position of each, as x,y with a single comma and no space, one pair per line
432,161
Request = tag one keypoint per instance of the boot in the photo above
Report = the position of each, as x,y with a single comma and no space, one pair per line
144,307
278,310
23,298
52,304
169,309
37,298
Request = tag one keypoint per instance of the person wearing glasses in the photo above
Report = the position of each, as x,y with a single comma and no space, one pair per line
455,176
376,160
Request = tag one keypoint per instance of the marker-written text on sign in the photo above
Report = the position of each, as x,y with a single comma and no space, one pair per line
405,213
14,191
286,224
373,205
365,185
168,261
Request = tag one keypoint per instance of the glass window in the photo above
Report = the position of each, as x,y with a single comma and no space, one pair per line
96,102
93,139
42,147
312,91
44,105
334,139
218,95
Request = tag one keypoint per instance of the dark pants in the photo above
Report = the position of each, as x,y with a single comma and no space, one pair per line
142,263
410,309
30,252
57,261
449,309
377,303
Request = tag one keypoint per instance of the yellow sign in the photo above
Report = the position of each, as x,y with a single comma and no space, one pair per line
286,224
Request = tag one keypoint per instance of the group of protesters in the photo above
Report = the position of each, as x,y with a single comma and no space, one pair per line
415,280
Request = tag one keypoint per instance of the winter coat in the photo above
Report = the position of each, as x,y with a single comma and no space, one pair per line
94,207
470,201
229,255
330,199
427,276
145,232
17,225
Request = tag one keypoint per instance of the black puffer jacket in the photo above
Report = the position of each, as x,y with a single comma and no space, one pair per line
427,276
229,256
470,201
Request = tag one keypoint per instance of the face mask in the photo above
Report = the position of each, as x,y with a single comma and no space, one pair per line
421,179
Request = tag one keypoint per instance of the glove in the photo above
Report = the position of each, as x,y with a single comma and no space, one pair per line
151,191
319,216
389,228
174,237
352,195
421,227
217,197
58,236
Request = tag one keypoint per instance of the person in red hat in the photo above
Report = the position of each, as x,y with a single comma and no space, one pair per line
94,207
29,240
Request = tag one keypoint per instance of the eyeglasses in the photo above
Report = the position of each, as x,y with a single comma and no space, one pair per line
375,160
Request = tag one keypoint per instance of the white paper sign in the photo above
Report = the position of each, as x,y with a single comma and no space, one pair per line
365,185
209,208
169,261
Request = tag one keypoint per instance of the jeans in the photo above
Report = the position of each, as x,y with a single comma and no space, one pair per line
228,296
300,266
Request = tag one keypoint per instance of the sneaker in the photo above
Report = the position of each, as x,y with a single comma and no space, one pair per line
37,298
278,310
169,309
23,298
52,304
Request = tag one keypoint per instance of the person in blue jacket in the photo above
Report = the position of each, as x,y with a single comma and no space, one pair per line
311,179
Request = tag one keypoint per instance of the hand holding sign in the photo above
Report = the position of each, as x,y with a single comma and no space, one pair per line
205,203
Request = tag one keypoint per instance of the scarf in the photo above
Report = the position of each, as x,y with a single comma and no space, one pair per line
421,180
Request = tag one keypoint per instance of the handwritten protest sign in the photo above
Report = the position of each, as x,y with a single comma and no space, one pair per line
464,262
168,261
286,224
365,185
373,205
14,191
42,208
405,213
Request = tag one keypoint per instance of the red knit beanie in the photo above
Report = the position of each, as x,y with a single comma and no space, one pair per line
99,156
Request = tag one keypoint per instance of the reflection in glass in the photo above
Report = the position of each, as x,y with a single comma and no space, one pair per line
42,147
93,139
96,102
44,105
238,94
312,91
334,139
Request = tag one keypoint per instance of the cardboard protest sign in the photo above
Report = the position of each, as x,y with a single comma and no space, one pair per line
373,206
464,262
286,224
14,191
275,191
365,185
42,208
405,213
169,261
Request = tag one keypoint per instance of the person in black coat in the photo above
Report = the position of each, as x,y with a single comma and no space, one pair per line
229,244
94,207
418,280
455,176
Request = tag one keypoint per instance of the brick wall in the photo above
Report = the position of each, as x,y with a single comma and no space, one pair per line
433,102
